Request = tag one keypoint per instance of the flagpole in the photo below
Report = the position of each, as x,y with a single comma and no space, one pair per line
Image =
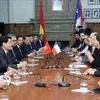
47,51
57,64
49,56
46,66
60,57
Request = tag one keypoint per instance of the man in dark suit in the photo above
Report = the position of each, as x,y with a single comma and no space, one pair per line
82,43
40,41
13,55
31,41
35,46
19,50
77,42
26,49
5,57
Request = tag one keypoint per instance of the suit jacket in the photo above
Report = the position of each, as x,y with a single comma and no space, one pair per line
83,45
25,49
18,53
1,73
96,62
35,45
97,73
6,61
14,58
40,43
76,44
89,48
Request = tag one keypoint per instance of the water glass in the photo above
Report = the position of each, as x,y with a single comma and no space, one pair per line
77,69
4,97
71,68
24,70
83,86
16,78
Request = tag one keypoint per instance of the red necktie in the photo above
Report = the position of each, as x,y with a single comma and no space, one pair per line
20,50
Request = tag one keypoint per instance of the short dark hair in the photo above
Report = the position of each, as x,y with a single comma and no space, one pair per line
40,35
88,31
30,35
35,35
25,37
76,32
4,39
19,37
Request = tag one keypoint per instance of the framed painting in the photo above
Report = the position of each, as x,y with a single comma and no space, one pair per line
95,13
57,5
91,2
87,13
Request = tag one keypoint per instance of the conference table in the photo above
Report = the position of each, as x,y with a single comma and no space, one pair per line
51,77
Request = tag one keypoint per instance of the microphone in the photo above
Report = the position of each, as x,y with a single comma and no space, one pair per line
40,83
66,84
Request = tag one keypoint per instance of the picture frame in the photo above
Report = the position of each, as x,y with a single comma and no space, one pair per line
57,5
91,2
96,13
87,13
98,2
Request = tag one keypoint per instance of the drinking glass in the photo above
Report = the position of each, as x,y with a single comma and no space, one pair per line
24,70
33,62
71,68
83,86
16,78
4,97
77,69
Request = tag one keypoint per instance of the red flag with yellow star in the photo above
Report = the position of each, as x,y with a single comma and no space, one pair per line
47,48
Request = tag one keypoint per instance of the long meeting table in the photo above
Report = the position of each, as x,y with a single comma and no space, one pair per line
51,77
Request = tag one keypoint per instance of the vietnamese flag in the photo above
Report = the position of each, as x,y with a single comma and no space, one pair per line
56,49
47,48
42,26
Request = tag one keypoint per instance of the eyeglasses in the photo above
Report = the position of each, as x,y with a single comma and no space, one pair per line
82,35
14,40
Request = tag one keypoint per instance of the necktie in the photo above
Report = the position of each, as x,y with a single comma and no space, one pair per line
8,58
20,50
13,53
35,44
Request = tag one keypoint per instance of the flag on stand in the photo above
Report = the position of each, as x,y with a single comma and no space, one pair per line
56,49
42,26
47,48
79,16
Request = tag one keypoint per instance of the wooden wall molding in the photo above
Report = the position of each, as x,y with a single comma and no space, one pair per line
27,29
19,29
94,26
